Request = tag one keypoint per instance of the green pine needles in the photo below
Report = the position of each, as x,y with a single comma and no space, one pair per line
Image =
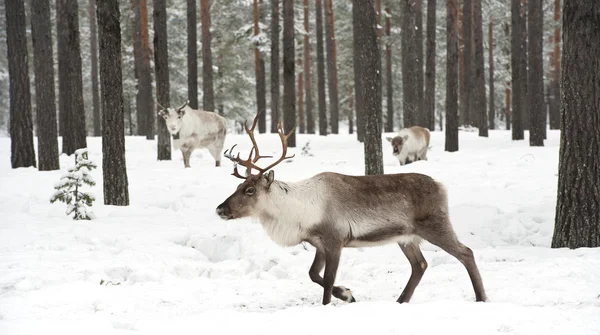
70,184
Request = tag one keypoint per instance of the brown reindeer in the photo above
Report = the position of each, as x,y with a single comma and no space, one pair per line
332,211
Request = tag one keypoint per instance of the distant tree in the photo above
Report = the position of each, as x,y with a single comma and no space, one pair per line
289,71
578,202
332,72
357,67
389,125
463,95
535,74
410,91
114,169
429,102
22,153
452,9
259,65
321,69
479,103
208,100
301,117
518,67
70,82
144,100
308,101
43,63
421,114
161,67
508,89
94,69
554,109
192,54
467,20
369,61
275,89
492,107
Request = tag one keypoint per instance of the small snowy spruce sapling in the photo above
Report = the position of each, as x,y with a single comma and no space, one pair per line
68,189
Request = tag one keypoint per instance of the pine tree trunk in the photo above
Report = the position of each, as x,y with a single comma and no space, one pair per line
369,60
114,169
94,70
145,102
479,102
468,108
321,70
301,118
429,103
508,59
289,71
45,104
360,115
208,100
422,116
410,92
259,65
464,115
452,9
22,153
332,75
518,64
140,113
351,112
555,72
524,84
492,108
192,54
578,202
310,120
389,125
275,89
70,84
161,67
535,74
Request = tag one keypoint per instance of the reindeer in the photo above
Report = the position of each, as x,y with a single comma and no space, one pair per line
411,144
333,211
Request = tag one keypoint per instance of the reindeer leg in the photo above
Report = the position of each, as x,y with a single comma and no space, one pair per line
339,292
418,265
186,157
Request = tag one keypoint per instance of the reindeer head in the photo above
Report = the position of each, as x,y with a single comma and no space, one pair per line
397,143
172,116
252,194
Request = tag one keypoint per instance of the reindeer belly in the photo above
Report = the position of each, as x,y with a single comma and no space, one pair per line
361,243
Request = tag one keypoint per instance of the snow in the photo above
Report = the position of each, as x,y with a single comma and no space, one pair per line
168,264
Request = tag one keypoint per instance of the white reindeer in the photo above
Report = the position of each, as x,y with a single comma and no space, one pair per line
332,211
192,129
411,144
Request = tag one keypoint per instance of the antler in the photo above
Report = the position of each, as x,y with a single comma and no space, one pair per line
159,105
283,137
182,106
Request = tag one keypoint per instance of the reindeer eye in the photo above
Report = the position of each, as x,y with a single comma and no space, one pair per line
250,191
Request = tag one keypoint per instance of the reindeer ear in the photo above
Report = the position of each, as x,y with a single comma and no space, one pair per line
389,139
405,137
248,172
181,112
270,177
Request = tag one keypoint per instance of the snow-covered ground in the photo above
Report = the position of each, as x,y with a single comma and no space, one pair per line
169,265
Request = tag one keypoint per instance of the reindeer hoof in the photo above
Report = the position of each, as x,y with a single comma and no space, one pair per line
344,293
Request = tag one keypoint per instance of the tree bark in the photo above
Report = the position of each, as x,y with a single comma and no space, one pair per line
161,67
410,92
289,71
145,102
451,143
535,74
492,108
140,114
389,125
429,103
43,62
208,98
22,153
578,202
555,73
518,64
114,168
524,84
275,89
192,54
463,105
70,84
94,70
321,70
369,60
422,116
259,65
360,115
308,103
479,102
332,74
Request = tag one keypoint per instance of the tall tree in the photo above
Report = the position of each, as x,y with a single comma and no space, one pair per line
308,101
463,95
555,72
43,63
535,74
429,103
360,115
389,125
140,114
161,67
479,103
259,66
508,89
70,83
192,54
289,71
524,84
452,9
144,100
518,67
301,118
578,202
321,69
275,89
332,73
94,70
410,91
114,169
22,153
208,99
467,108
492,107
369,60
422,117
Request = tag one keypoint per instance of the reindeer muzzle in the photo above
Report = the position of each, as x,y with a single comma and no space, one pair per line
224,212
